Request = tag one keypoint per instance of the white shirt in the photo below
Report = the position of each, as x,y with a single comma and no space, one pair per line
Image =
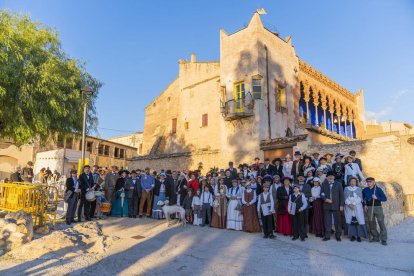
254,197
196,201
206,197
265,195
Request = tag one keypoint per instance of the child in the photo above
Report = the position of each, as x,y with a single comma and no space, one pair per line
296,206
188,200
206,204
100,198
196,204
266,209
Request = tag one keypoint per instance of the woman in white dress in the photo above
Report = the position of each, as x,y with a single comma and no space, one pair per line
354,211
234,216
287,166
352,170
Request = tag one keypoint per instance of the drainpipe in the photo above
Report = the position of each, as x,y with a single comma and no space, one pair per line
268,95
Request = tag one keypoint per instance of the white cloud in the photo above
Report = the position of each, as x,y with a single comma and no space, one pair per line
378,115
395,97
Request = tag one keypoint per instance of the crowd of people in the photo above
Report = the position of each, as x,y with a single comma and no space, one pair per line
307,195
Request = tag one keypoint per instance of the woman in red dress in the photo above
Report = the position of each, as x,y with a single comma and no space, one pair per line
193,183
284,220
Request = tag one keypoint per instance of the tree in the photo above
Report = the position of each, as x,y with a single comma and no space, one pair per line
39,84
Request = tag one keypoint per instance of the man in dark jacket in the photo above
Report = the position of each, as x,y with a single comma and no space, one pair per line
133,193
15,177
72,184
232,170
85,184
268,169
28,172
297,166
333,196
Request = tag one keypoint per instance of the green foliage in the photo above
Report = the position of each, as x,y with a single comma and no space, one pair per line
39,84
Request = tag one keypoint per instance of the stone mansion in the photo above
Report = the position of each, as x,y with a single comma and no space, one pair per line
259,100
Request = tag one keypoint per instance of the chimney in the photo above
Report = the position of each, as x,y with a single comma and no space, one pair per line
193,57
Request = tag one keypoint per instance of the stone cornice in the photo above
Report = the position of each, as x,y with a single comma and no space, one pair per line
312,72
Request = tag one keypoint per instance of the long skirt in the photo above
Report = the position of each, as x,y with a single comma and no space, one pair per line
157,212
250,219
198,219
359,230
284,223
119,205
234,217
218,219
317,225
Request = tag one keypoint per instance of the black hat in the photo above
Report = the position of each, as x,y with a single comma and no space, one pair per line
322,158
133,171
86,166
287,177
329,174
352,152
297,153
370,179
267,177
276,159
73,171
301,174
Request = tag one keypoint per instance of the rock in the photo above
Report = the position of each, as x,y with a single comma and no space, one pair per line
42,230
16,229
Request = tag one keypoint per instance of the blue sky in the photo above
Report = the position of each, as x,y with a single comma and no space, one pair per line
133,47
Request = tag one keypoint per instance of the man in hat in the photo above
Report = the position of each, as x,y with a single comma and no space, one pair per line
72,185
133,193
265,209
147,185
28,172
356,160
373,196
306,190
269,169
315,159
278,167
232,170
328,158
110,181
15,177
297,166
85,185
338,168
257,162
333,196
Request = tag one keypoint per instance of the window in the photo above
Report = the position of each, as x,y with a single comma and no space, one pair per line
89,147
204,121
257,89
106,151
239,96
186,125
140,148
116,153
281,98
100,149
69,142
174,125
121,153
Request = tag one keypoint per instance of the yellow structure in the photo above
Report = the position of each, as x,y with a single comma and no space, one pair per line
259,100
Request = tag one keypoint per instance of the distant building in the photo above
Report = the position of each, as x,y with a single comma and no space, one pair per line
132,140
260,100
374,129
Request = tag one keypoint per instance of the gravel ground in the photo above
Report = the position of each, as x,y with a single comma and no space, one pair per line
146,246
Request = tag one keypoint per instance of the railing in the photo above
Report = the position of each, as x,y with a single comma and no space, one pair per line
238,108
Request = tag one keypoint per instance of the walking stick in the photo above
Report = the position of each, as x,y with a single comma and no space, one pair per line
373,200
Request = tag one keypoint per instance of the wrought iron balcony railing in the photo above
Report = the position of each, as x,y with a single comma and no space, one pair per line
238,108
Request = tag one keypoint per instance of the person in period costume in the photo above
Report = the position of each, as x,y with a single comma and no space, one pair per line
182,188
172,181
315,161
354,211
234,215
206,204
320,174
110,181
256,187
95,175
193,182
307,164
233,170
219,205
133,193
352,170
355,159
119,200
338,168
250,219
306,189
287,166
328,158
147,185
16,176
161,190
265,209
309,174
324,165
297,166
28,172
297,206
373,196
196,204
72,185
85,184
284,220
273,190
316,225
268,169
187,205
333,196
278,167
228,179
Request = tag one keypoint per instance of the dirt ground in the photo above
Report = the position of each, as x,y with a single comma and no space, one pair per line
122,246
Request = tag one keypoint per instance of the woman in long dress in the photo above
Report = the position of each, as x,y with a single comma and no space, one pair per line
218,219
284,220
287,166
160,195
234,215
354,211
316,225
249,209
119,200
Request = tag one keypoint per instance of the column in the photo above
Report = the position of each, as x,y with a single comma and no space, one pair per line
339,124
316,103
331,110
346,131
306,97
324,106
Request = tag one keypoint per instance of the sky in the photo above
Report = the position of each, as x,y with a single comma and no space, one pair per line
133,47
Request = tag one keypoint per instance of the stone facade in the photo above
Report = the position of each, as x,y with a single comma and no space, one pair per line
259,100
132,140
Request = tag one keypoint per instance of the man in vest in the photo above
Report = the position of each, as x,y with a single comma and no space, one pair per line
266,209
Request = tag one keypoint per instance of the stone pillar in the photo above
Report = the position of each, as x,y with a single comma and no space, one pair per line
331,110
324,106
316,103
346,131
338,114
306,97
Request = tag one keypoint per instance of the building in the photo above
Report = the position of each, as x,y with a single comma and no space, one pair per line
374,129
260,100
133,140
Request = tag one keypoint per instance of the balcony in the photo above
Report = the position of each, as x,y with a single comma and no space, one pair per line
237,108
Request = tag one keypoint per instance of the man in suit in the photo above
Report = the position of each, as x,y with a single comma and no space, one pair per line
95,175
72,184
232,170
85,184
172,180
110,181
297,166
28,172
268,169
332,194
133,193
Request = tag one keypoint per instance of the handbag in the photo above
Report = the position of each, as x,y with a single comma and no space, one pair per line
354,221
67,195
